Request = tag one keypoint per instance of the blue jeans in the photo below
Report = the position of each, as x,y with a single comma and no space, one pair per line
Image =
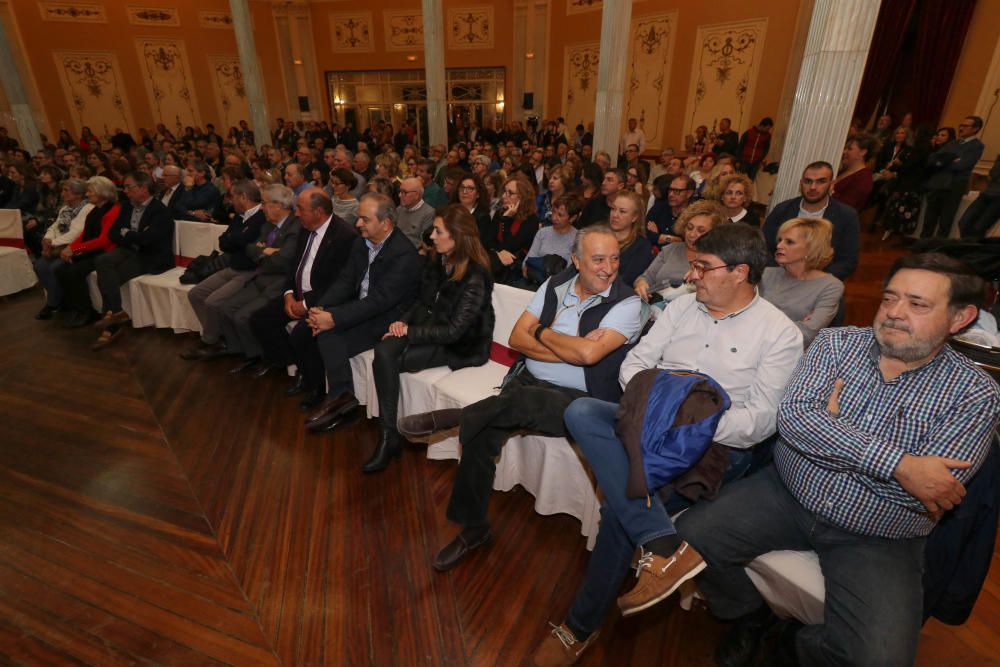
874,595
45,269
625,522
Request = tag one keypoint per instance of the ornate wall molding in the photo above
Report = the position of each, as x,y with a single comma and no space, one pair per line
404,29
230,89
581,6
351,32
72,12
470,28
221,20
94,89
580,63
651,53
167,76
724,74
155,16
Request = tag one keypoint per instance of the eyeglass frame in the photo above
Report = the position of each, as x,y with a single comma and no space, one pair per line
700,271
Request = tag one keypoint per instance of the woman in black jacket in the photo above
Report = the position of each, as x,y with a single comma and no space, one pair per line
512,230
451,324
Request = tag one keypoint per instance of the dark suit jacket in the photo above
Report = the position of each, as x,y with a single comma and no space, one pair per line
175,198
153,242
330,259
393,282
272,269
237,236
846,233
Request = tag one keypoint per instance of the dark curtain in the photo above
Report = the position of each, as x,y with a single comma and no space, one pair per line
940,34
890,31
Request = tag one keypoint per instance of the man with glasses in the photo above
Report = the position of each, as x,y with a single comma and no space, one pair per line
660,228
414,216
955,161
723,330
815,202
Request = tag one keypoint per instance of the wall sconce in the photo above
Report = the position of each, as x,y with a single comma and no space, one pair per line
411,59
297,61
529,56
398,107
339,102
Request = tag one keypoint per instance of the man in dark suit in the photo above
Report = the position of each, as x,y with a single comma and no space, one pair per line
144,236
374,290
171,189
274,255
207,297
816,202
955,160
321,253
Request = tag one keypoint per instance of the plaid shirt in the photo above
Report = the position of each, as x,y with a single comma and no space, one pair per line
841,468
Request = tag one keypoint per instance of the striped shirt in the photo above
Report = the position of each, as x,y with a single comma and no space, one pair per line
841,468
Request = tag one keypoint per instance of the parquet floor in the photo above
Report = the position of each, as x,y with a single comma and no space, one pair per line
158,512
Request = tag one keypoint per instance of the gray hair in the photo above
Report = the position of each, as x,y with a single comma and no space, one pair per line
587,231
482,159
280,195
103,188
386,207
76,185
247,188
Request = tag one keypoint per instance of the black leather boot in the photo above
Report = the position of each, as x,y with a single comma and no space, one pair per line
387,448
740,646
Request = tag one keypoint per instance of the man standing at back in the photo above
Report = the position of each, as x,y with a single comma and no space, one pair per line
956,160
816,202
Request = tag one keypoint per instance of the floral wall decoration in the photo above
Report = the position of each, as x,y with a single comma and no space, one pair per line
167,76
94,90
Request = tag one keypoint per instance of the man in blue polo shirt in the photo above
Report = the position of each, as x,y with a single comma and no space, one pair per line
573,337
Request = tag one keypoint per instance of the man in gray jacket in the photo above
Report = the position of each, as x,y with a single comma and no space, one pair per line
948,185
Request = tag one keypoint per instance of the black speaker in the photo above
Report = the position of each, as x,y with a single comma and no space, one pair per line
303,103
529,101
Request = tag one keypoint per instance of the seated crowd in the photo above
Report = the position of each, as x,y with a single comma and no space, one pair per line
660,296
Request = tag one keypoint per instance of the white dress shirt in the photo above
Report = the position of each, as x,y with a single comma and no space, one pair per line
310,257
751,353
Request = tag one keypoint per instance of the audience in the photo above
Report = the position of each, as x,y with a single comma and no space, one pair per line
626,221
662,217
67,227
598,208
199,198
552,248
414,216
345,204
955,160
450,323
798,286
854,182
512,230
734,195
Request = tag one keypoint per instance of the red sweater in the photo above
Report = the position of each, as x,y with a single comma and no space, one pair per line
101,241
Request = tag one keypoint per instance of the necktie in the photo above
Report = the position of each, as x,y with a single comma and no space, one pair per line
302,266
271,235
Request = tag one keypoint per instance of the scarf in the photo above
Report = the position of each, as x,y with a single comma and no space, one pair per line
66,215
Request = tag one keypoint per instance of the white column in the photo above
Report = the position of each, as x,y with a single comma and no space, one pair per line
437,100
19,107
247,48
616,18
840,34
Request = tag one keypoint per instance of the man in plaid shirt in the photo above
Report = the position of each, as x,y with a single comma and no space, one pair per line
880,429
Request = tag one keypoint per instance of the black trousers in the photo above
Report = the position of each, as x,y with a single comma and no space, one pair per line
72,278
392,357
337,346
269,328
525,402
942,205
114,269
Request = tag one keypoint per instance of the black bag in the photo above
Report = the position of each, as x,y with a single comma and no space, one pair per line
203,266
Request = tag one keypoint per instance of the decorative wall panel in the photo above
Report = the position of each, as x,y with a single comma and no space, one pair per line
404,30
167,76
230,90
650,60
470,28
215,20
95,90
159,16
724,75
351,32
580,6
580,82
73,12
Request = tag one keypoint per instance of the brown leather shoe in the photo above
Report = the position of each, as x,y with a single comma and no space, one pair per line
456,550
112,318
330,410
105,339
560,648
426,423
659,577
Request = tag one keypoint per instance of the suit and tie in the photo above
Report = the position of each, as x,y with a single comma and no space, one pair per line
304,283
144,236
368,295
946,187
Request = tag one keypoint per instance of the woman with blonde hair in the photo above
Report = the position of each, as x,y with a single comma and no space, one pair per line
798,286
627,221
674,260
451,324
735,195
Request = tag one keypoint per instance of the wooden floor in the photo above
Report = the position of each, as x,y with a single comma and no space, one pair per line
158,512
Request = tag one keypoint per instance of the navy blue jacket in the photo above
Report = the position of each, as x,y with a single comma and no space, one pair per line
846,233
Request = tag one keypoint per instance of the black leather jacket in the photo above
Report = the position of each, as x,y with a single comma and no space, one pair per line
457,314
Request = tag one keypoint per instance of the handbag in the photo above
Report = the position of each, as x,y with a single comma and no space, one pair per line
203,266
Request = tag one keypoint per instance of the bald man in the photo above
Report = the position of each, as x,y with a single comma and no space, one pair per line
414,216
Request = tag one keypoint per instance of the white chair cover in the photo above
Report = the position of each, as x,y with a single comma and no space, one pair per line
792,583
16,273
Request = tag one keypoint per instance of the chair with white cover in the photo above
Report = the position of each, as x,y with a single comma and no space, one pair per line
16,273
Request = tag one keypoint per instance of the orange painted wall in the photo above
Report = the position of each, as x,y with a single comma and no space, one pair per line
781,16
41,38
973,64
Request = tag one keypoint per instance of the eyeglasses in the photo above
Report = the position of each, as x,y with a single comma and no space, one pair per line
467,188
965,124
699,269
678,190
511,193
